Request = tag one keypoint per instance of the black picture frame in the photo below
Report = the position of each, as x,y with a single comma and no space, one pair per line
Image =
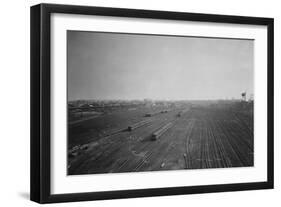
41,98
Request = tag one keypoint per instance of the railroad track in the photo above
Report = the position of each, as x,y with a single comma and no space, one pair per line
115,144
199,138
235,144
187,154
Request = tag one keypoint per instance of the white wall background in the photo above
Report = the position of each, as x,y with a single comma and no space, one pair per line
14,104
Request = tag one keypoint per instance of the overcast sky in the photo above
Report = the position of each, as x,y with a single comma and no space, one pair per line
127,66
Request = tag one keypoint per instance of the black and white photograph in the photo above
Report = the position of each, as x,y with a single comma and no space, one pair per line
149,102
129,102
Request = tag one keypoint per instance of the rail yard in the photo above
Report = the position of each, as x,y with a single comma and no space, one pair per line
152,138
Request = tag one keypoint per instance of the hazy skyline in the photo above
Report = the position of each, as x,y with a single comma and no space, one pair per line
130,66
